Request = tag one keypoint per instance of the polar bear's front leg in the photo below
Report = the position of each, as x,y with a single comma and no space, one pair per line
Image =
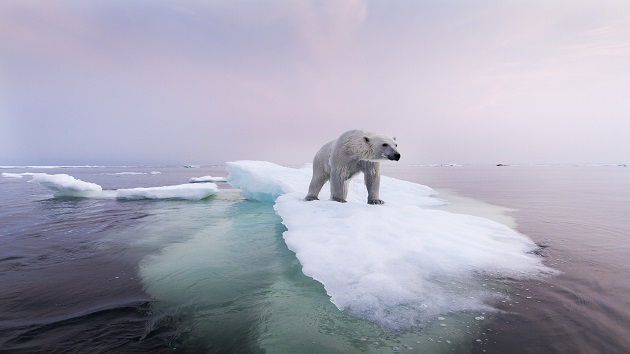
372,176
338,188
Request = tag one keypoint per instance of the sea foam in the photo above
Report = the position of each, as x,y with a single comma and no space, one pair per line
399,264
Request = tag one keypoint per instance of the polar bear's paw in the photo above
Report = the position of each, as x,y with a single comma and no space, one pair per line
375,201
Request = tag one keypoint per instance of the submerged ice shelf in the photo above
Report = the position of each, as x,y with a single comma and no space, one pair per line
398,264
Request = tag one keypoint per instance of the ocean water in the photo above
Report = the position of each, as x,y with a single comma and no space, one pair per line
215,275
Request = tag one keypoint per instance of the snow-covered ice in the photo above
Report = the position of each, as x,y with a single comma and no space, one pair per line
16,175
399,264
181,191
206,179
67,186
64,185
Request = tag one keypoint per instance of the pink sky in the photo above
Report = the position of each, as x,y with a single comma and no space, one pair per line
164,82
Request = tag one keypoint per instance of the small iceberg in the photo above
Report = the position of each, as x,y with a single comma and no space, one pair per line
206,179
400,264
67,186
182,191
16,175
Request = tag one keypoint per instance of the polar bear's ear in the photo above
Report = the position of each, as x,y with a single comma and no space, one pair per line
394,138
367,140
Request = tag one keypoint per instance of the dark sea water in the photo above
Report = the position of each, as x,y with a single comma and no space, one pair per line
215,276
581,215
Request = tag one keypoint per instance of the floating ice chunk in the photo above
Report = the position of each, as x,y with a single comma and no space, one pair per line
156,172
205,179
399,264
16,175
182,191
67,186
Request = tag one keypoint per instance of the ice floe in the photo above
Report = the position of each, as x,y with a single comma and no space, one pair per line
64,185
398,264
206,179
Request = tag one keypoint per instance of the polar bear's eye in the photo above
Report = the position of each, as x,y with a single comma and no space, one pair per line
384,144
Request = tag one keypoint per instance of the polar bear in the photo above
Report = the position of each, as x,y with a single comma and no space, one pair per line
353,152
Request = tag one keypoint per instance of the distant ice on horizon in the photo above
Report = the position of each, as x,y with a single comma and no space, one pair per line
400,264
16,175
124,173
55,166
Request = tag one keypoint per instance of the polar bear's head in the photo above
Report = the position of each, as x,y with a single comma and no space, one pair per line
382,147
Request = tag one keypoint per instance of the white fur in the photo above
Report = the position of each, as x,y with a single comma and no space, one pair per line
353,152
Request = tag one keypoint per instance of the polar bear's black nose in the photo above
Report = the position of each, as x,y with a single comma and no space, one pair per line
396,157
